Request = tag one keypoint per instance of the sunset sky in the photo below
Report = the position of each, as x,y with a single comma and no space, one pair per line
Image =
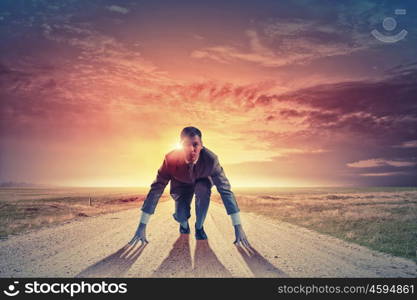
286,93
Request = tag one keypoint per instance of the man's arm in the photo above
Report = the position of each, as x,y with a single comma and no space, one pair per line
151,200
157,188
223,187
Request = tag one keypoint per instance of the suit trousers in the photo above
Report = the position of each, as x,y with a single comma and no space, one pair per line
183,194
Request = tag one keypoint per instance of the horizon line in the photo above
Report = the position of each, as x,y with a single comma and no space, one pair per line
233,187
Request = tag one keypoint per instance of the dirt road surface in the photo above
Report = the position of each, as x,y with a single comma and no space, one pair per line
97,247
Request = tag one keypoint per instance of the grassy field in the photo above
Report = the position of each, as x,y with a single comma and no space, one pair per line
23,209
383,219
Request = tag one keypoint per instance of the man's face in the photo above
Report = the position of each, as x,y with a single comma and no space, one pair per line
192,147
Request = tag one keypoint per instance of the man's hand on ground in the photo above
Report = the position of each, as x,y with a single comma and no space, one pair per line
140,235
241,238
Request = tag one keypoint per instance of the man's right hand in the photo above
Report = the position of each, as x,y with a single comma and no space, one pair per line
140,235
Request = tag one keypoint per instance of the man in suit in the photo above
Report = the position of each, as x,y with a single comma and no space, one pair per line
193,169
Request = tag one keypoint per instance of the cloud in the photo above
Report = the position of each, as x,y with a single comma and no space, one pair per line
378,162
257,53
118,9
384,174
407,144
287,41
383,109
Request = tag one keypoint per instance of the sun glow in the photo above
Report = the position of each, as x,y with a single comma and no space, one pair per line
178,146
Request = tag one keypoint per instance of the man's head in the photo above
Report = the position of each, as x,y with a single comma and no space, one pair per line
191,142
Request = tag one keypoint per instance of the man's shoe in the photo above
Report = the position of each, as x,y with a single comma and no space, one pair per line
185,230
200,234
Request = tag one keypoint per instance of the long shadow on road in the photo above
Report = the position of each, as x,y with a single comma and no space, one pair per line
206,263
178,262
259,265
114,265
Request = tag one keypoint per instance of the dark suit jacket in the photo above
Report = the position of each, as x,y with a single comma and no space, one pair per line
175,169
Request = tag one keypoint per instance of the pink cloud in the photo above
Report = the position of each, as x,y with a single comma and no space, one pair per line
379,162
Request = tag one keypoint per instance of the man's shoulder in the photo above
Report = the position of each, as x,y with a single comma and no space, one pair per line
209,154
208,158
174,156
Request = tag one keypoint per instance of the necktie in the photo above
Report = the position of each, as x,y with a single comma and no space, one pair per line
191,170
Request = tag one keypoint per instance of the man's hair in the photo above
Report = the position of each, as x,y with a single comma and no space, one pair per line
190,131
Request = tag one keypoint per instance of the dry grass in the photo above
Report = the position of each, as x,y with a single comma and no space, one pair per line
26,209
384,221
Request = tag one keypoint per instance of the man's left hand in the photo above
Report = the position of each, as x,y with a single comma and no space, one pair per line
241,238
